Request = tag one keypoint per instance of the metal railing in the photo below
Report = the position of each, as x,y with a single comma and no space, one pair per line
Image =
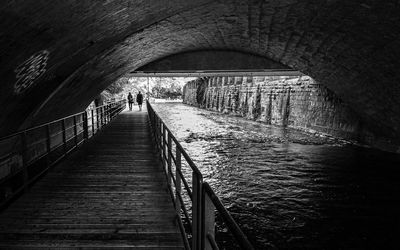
28,154
196,221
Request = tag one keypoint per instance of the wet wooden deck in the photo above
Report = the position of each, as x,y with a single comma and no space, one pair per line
110,193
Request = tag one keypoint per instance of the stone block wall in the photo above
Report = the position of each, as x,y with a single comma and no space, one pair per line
298,102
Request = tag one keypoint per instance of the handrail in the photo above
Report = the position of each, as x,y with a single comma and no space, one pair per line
31,152
226,216
54,121
203,200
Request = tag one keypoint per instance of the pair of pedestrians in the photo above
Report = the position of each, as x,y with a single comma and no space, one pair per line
139,100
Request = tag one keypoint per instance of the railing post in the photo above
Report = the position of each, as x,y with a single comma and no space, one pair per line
163,144
85,126
24,153
102,116
158,130
75,132
178,187
97,119
208,222
169,152
64,136
92,117
107,113
196,211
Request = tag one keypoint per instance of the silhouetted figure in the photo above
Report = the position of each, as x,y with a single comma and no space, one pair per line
139,99
130,100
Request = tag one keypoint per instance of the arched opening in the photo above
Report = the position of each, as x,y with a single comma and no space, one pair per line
57,57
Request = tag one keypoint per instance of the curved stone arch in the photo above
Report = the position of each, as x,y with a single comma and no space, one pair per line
350,47
203,60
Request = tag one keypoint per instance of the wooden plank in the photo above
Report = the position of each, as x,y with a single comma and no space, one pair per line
111,193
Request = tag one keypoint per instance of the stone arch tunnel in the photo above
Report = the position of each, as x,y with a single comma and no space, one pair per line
57,56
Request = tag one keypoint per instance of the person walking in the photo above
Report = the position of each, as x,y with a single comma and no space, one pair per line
139,100
130,101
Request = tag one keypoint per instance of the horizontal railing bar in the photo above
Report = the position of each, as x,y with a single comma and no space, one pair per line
78,134
183,179
69,139
54,121
37,142
11,175
230,222
2,205
37,158
182,229
56,134
172,156
171,175
8,156
164,138
36,127
165,156
55,147
182,203
185,212
183,152
185,184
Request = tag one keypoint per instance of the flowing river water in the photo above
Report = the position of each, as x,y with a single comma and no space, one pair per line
289,189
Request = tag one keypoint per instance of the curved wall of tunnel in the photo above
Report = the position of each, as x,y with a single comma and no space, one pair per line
58,56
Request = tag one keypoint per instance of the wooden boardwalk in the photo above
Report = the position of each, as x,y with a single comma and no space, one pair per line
110,193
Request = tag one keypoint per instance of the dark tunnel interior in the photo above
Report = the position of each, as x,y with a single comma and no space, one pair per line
341,60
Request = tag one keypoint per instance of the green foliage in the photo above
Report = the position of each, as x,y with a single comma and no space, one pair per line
166,87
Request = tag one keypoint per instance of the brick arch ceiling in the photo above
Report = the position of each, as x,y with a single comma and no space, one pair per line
80,47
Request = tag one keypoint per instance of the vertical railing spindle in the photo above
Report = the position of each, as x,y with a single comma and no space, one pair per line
163,145
169,149
92,117
85,126
75,132
106,114
196,211
178,187
209,221
101,117
97,119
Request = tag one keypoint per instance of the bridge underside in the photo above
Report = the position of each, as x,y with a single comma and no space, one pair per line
57,57
111,193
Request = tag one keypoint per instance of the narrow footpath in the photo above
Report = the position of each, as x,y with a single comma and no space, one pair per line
110,193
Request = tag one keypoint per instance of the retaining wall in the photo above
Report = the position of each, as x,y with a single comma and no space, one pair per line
298,102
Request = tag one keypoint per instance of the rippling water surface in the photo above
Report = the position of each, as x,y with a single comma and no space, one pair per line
292,190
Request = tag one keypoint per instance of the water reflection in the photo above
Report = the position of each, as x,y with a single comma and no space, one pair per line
289,189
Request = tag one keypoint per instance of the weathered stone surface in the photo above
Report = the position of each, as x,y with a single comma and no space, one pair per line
351,47
298,102
211,60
